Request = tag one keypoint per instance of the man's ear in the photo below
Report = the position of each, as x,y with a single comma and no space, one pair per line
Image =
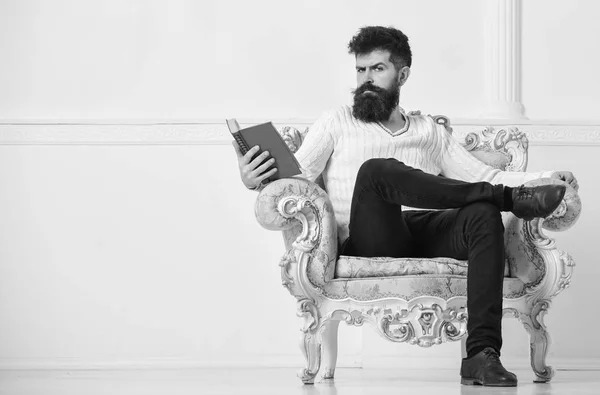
403,75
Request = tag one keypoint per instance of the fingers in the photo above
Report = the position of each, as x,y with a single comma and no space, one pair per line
569,176
258,160
574,184
248,157
267,174
261,169
260,173
571,180
255,171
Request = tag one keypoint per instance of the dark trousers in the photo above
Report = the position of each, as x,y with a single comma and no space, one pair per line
471,230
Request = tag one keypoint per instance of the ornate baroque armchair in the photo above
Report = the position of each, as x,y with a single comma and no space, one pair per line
416,301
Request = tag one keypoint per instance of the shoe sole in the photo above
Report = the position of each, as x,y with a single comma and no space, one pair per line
468,381
562,196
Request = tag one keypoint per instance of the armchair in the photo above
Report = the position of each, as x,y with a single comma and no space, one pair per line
415,301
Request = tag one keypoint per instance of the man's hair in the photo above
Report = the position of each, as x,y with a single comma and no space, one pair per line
372,38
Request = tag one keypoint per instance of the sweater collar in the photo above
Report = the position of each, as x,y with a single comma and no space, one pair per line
400,131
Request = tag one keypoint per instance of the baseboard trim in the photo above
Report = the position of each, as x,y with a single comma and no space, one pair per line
448,362
207,133
252,362
281,361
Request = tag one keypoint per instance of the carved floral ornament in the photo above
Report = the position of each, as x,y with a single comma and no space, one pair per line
287,279
303,210
419,325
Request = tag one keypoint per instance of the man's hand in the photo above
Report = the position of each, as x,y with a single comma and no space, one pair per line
253,171
567,177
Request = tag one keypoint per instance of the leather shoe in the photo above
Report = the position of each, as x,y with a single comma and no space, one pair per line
486,369
537,202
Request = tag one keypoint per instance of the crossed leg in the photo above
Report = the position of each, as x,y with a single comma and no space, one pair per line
471,228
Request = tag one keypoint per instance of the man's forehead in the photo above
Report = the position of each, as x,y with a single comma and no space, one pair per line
374,57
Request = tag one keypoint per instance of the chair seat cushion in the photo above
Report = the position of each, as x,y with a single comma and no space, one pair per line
410,287
359,267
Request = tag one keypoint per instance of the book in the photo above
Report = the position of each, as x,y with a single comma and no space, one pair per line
268,139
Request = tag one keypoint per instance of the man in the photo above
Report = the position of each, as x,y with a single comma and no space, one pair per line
379,162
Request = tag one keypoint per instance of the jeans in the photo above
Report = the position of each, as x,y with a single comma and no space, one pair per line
471,229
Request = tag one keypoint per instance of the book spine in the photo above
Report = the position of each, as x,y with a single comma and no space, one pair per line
240,140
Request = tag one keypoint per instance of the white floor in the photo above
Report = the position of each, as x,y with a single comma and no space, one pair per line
277,381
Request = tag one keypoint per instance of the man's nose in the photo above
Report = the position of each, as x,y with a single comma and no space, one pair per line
368,77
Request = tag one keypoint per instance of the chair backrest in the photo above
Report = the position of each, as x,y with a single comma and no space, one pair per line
504,148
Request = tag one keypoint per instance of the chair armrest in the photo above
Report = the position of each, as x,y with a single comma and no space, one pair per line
533,256
303,211
567,213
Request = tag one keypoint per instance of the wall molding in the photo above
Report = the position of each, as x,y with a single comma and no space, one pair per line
215,132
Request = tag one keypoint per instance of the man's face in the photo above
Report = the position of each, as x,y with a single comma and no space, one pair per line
377,87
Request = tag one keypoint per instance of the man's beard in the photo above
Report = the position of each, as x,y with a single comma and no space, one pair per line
376,106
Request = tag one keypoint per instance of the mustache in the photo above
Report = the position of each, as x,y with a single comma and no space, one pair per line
367,87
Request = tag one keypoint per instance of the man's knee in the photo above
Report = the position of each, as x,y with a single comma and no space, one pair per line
376,168
483,214
372,166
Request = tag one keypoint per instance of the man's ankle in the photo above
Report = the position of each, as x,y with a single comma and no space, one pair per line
476,350
508,199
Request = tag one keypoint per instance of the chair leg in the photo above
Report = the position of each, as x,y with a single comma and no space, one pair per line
463,347
311,348
539,340
330,348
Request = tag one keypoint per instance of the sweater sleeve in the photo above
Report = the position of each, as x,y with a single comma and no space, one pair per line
456,162
317,147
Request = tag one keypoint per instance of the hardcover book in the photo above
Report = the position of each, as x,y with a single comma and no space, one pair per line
268,139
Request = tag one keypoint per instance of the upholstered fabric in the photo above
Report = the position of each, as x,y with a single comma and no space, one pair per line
355,267
409,287
523,259
495,159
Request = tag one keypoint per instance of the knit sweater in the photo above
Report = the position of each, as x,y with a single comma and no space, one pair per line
338,144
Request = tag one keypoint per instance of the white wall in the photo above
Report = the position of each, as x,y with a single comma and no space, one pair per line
560,64
212,59
125,245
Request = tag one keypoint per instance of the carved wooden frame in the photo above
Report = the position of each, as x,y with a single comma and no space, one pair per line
303,212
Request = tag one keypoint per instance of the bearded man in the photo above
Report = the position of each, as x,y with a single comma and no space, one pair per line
401,186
